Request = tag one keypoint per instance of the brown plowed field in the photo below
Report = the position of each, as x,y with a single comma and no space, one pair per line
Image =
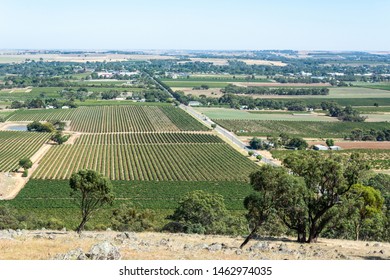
357,144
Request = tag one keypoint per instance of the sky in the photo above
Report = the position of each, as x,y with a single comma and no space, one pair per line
195,25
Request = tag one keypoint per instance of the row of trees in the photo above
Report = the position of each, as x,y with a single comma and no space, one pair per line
370,135
275,91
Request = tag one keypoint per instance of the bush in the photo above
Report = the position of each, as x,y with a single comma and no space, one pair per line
25,173
206,213
8,218
128,218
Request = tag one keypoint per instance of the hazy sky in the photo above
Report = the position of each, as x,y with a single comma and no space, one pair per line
200,24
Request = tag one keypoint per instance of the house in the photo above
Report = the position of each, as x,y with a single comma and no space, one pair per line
49,107
194,103
65,107
320,147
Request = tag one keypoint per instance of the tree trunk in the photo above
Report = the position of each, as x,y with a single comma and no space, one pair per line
249,237
301,234
313,234
357,230
81,226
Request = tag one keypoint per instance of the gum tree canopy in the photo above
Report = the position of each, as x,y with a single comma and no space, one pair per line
302,193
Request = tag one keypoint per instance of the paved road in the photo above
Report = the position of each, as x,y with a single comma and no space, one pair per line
218,128
232,137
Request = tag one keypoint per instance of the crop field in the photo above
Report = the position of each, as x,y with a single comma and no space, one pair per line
152,195
103,119
150,162
377,159
229,114
47,199
373,109
146,138
297,128
14,145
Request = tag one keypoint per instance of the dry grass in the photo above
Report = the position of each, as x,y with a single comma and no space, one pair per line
164,246
211,92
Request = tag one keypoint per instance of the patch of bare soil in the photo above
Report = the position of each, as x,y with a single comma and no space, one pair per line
211,92
374,145
10,185
13,183
43,245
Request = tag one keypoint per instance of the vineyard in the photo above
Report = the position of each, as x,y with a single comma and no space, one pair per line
14,145
298,128
158,162
145,138
104,119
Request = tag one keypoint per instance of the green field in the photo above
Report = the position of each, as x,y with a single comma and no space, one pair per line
47,199
54,92
296,128
228,114
101,119
373,109
15,145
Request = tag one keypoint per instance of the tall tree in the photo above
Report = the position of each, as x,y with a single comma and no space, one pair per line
91,191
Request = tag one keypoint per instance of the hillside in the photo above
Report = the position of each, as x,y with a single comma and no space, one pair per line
44,245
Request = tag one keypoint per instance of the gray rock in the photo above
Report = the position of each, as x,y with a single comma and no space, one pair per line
128,235
215,247
76,254
238,252
201,246
187,247
262,246
376,245
164,242
104,251
4,234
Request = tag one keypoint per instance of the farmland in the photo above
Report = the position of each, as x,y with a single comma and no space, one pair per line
228,114
102,119
298,128
15,145
170,159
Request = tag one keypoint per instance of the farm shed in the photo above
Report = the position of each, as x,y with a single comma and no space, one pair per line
335,148
320,148
194,103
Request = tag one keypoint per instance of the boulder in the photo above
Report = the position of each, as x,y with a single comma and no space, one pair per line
104,251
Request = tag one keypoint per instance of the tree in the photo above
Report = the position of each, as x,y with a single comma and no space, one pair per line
269,184
298,143
329,143
213,125
367,202
259,157
328,179
202,212
26,163
256,143
250,153
91,191
59,138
